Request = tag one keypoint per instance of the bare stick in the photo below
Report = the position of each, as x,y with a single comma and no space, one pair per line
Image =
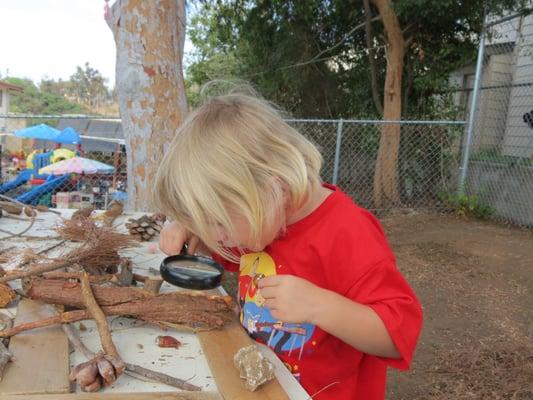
77,275
70,316
15,275
18,219
160,377
53,265
153,285
99,317
31,237
139,277
74,338
109,365
52,247
125,276
5,357
5,354
32,221
6,249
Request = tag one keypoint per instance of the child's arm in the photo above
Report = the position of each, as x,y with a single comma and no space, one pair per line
354,323
293,299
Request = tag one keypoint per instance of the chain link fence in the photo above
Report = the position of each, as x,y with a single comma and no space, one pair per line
497,152
427,162
427,165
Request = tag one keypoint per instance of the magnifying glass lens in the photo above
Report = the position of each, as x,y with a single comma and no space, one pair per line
192,269
191,272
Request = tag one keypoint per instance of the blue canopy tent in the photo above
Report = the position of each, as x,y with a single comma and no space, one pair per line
68,136
41,131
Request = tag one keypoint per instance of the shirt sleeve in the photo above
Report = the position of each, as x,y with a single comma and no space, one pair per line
385,290
363,268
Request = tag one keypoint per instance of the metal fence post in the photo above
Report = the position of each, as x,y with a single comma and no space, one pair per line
337,152
463,169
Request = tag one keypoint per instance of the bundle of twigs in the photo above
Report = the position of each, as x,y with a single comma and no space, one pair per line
86,230
98,253
100,244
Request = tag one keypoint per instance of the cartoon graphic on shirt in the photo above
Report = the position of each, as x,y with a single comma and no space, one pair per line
256,319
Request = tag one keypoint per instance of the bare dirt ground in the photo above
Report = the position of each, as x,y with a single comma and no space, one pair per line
475,282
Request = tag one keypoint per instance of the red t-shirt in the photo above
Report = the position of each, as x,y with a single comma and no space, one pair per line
340,247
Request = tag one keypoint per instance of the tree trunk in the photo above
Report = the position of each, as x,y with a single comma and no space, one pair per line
149,36
386,192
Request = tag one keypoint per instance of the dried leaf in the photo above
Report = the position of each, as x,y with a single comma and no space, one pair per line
168,341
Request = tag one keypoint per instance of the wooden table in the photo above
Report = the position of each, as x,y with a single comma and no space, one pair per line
43,357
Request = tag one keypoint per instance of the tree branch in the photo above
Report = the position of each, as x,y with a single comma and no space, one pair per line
371,60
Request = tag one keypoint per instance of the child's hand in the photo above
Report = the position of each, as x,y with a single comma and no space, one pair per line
289,298
172,238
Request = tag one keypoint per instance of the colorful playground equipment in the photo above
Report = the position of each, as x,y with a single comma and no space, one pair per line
60,176
46,183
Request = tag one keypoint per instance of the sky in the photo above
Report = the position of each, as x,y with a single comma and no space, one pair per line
49,38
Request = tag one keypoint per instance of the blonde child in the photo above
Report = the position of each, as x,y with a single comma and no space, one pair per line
318,282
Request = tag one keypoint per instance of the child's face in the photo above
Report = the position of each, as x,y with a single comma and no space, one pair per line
243,235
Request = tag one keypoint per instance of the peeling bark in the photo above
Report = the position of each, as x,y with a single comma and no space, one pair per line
386,174
149,37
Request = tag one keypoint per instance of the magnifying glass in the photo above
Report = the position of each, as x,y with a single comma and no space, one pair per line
191,272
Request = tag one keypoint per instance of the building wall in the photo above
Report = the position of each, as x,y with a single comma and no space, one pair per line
4,98
494,101
519,137
506,90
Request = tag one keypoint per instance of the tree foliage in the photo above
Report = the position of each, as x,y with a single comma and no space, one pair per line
85,92
88,86
40,100
309,56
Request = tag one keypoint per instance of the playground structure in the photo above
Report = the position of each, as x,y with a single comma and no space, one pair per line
42,184
61,177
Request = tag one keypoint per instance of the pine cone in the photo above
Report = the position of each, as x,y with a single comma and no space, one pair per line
146,227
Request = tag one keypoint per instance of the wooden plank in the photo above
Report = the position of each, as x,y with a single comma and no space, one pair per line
120,396
41,356
219,347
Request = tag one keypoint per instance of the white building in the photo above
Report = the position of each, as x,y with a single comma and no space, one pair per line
5,90
506,93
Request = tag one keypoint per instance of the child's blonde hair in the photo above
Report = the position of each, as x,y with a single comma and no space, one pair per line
235,155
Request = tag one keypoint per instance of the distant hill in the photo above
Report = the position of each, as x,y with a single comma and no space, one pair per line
33,100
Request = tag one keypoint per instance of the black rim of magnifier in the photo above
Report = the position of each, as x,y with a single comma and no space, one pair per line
172,276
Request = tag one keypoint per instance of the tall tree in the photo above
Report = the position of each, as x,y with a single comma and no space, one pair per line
150,37
385,174
88,86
